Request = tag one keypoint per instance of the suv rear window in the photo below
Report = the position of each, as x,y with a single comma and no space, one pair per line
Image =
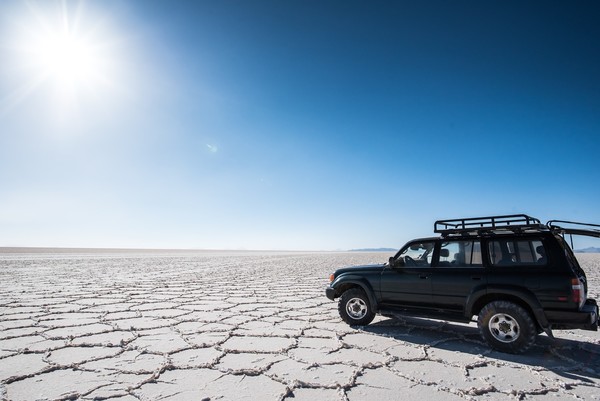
512,252
460,254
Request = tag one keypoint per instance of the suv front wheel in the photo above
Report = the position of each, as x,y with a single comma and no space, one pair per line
506,327
355,308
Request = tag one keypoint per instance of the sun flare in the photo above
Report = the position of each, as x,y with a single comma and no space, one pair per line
66,55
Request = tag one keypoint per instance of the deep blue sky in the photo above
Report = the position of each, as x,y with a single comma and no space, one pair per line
295,124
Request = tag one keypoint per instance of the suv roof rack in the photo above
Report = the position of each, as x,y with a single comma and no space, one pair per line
587,229
477,225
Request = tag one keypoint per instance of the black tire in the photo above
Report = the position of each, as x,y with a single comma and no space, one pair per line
507,327
354,308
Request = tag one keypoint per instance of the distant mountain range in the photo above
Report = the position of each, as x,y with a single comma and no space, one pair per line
591,249
374,250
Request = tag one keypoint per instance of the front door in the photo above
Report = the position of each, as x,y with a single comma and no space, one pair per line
408,281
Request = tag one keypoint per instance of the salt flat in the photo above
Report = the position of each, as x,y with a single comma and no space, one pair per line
249,326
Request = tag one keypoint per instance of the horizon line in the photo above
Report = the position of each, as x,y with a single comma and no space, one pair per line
62,249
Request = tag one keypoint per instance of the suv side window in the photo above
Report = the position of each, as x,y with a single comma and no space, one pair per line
460,254
417,254
508,252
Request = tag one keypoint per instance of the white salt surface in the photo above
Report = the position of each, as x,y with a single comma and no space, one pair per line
250,326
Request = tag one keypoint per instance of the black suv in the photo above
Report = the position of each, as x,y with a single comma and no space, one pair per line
518,276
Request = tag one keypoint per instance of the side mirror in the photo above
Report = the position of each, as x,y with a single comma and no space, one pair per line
395,263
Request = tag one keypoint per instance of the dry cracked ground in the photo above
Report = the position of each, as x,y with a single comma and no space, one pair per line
251,326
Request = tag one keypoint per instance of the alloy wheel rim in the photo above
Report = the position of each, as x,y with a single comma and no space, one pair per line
356,308
504,328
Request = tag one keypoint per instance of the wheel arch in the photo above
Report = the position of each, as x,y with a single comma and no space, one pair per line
343,284
518,296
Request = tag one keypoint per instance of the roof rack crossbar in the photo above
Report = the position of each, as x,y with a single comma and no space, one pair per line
513,222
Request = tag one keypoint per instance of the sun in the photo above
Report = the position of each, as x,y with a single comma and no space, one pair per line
62,53
68,59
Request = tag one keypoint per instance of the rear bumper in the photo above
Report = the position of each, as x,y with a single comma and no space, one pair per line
586,318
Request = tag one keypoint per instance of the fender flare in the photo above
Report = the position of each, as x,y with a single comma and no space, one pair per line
520,293
356,281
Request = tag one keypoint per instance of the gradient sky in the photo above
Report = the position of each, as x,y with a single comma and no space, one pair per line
301,125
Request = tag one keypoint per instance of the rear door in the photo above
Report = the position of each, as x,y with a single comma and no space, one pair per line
517,262
458,272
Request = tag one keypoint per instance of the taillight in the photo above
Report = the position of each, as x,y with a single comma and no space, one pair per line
331,277
577,291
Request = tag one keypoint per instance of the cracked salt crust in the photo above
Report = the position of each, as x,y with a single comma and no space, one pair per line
258,344
162,343
30,343
195,358
77,330
311,375
75,355
247,363
108,339
12,367
226,327
57,384
185,385
384,385
127,362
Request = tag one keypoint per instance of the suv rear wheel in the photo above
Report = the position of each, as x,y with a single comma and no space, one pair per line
355,308
507,327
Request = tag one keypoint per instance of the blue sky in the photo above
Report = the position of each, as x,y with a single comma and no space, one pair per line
302,125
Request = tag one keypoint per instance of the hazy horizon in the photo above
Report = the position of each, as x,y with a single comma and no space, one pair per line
292,125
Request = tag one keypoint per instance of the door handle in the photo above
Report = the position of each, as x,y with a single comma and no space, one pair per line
423,276
475,278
